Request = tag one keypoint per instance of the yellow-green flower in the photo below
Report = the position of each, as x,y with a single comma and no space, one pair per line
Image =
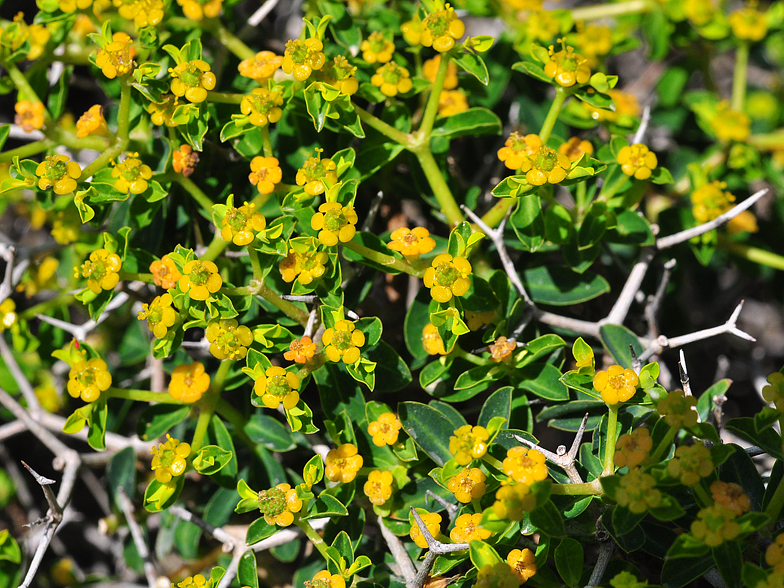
567,67
200,279
159,314
192,79
715,525
278,387
448,276
228,339
378,487
116,58
392,79
518,149
340,74
303,57
7,314
377,49
678,409
168,459
498,575
142,12
616,384
335,223
512,501
633,448
637,160
87,379
313,173
637,491
468,443
730,495
101,271
690,464
342,342
262,106
279,504
199,9
131,174
240,223
545,166
749,24
525,465
58,172
441,29
730,124
304,267
343,464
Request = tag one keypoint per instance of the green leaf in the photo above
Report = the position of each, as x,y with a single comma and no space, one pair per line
681,571
548,520
211,459
559,286
428,428
729,561
498,404
481,376
158,419
528,222
483,554
474,121
617,339
752,575
325,505
687,546
159,496
569,561
121,472
269,432
473,64
768,439
535,70
313,472
544,380
96,434
259,530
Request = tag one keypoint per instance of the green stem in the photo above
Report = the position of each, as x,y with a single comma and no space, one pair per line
266,144
598,11
490,460
382,127
26,150
236,419
753,254
458,351
431,108
612,434
592,488
215,248
494,216
23,86
389,261
224,97
121,140
141,395
776,503
771,141
231,42
198,195
208,405
608,192
663,446
255,263
261,289
740,76
561,94
313,536
439,186
134,277
702,494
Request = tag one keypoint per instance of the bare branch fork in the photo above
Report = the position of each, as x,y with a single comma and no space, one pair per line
435,548
561,457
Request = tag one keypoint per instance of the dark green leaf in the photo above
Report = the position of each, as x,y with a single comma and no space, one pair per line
158,419
498,404
473,64
259,530
392,373
768,439
474,121
544,380
528,222
247,574
569,561
121,472
269,432
679,572
429,428
325,505
548,520
559,286
729,560
617,339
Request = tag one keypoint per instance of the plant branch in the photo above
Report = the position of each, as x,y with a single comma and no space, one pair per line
24,384
398,552
138,538
561,457
435,548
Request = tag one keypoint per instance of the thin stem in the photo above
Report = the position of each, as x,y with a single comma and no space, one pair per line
198,195
740,75
382,127
208,404
135,277
289,309
231,42
23,86
771,141
431,108
28,150
561,94
664,444
439,186
121,141
215,248
224,97
255,263
489,459
496,214
592,488
236,419
267,145
608,192
598,11
701,493
753,254
609,449
389,261
313,536
776,503
141,395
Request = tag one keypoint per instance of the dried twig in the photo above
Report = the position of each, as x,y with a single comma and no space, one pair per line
435,548
683,372
398,552
80,332
138,539
606,549
449,506
621,307
643,128
561,457
655,301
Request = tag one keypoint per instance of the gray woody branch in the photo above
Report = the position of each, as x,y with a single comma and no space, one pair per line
435,548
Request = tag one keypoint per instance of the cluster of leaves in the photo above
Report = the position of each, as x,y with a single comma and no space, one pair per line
383,98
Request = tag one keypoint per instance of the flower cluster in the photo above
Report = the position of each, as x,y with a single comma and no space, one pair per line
228,339
101,271
378,487
342,342
335,223
525,465
616,384
241,223
385,429
468,443
279,504
276,387
468,485
343,463
168,459
192,79
159,314
448,276
87,379
131,174
189,382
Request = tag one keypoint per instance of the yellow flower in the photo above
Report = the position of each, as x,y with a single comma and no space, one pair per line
498,575
161,112
411,243
131,174
432,522
70,6
523,564
164,273
159,314
335,223
101,270
637,492
265,172
378,488
300,351
262,106
189,382
326,580
200,279
567,67
199,9
116,58
541,25
343,342
448,277
142,12
29,115
184,160
518,149
525,4
197,581
66,226
715,525
749,24
343,463
730,124
87,379
340,74
412,30
279,504
392,79
432,341
477,320
452,102
430,68
168,459
730,495
385,430
575,147
691,462
8,315
468,443
377,49
303,57
467,485
678,409
58,172
278,387
304,267
441,29
502,349
616,384
92,122
467,529
192,79
710,201
228,339
594,40
699,12
525,465
512,501
773,392
633,448
636,160
545,166
261,67
774,554
313,173
743,222
240,223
